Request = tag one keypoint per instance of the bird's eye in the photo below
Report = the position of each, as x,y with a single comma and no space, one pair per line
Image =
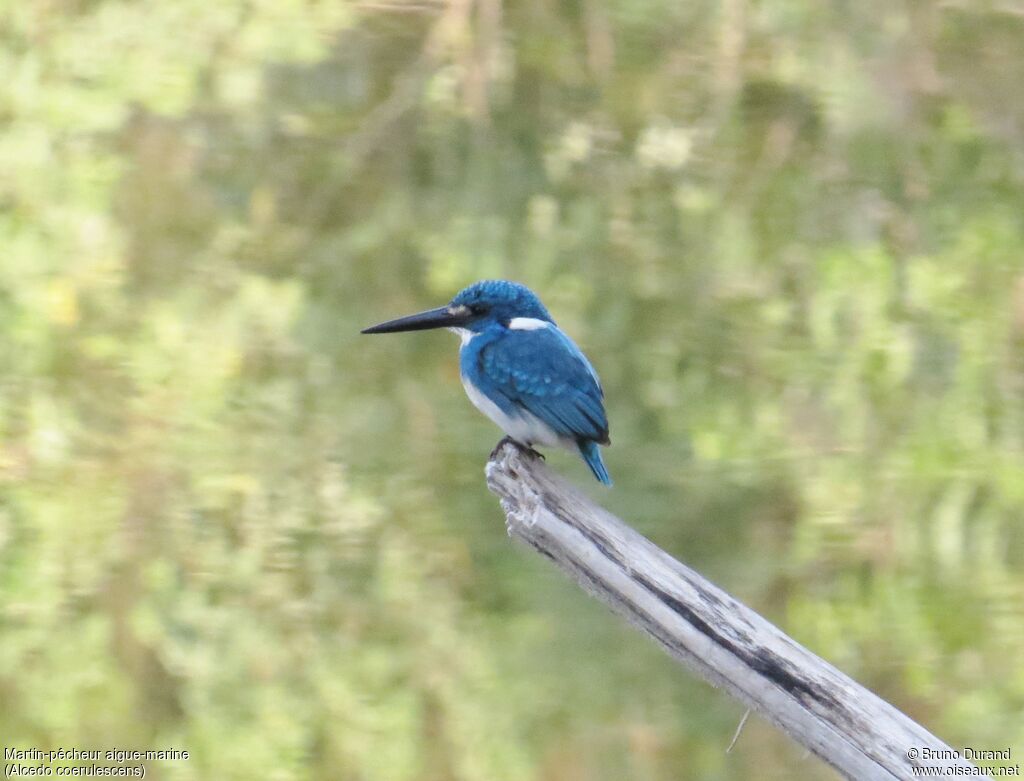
477,309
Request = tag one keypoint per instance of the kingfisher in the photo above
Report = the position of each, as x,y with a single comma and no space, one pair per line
520,369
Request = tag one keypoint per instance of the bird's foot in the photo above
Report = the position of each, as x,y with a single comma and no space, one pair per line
531,452
526,450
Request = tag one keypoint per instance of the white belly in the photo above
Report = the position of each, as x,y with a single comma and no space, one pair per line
523,427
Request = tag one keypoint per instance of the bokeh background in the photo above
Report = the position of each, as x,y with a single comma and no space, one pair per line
787,232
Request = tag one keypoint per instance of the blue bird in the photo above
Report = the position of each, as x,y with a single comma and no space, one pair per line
520,370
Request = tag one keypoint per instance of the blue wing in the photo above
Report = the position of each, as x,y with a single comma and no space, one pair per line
543,372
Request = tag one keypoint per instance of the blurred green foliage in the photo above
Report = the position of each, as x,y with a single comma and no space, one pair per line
788,233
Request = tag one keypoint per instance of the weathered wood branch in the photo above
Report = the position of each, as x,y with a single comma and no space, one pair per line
716,636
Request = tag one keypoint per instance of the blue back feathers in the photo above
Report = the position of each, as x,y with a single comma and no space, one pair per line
545,373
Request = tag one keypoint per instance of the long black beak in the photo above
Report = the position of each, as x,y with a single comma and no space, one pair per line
442,317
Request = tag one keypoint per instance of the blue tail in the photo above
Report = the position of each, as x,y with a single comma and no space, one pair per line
591,453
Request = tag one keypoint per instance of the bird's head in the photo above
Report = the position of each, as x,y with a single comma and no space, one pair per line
497,300
479,306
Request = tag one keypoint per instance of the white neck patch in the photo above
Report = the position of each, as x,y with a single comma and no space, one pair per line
464,334
527,324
